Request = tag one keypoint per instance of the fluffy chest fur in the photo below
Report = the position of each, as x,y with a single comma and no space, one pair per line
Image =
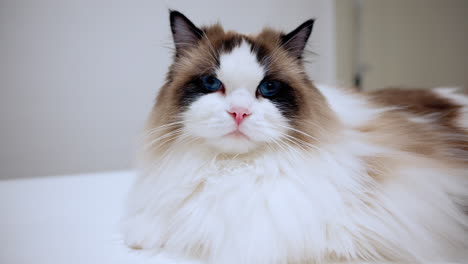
277,207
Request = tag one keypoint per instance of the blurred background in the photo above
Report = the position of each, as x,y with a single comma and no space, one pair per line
78,77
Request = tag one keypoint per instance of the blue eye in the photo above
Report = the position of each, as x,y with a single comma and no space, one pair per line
211,83
269,88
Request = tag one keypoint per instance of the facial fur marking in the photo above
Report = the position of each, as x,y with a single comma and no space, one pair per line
239,69
191,91
229,44
261,53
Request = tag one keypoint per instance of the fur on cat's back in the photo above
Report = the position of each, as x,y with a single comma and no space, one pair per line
245,160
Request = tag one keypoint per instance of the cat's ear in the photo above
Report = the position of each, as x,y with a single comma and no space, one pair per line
184,32
296,40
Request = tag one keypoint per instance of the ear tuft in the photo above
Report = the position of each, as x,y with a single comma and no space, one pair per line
296,40
184,32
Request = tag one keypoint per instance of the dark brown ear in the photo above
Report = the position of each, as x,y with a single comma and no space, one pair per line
296,40
184,32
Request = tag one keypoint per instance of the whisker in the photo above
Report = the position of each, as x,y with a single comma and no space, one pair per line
168,138
165,126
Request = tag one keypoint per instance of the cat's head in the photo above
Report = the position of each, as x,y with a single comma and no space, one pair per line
235,92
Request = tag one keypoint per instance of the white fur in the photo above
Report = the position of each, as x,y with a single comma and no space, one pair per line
284,205
422,119
351,109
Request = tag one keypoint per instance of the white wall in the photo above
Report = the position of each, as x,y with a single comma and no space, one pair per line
345,25
78,77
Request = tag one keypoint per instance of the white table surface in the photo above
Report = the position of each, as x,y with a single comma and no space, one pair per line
65,219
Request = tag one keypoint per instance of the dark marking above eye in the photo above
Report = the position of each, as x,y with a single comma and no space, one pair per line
230,43
260,51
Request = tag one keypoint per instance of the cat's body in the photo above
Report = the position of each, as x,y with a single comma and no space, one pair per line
310,174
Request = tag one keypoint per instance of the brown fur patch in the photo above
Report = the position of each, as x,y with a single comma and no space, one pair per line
439,138
419,102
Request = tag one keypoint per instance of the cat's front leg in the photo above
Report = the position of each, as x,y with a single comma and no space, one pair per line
142,233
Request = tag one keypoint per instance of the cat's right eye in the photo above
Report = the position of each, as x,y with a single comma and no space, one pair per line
211,83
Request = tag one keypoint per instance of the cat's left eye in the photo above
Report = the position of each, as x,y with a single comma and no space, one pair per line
269,88
211,83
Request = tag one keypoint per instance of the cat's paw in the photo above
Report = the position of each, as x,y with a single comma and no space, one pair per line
139,233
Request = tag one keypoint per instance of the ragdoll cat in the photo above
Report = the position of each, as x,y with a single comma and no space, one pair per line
246,160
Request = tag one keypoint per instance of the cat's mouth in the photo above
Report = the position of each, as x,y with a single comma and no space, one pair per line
237,134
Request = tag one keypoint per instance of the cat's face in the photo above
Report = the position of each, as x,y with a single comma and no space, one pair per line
235,115
234,92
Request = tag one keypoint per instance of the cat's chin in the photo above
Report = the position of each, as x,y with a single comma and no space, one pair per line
235,144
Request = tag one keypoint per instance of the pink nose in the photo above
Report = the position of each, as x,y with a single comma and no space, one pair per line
239,114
